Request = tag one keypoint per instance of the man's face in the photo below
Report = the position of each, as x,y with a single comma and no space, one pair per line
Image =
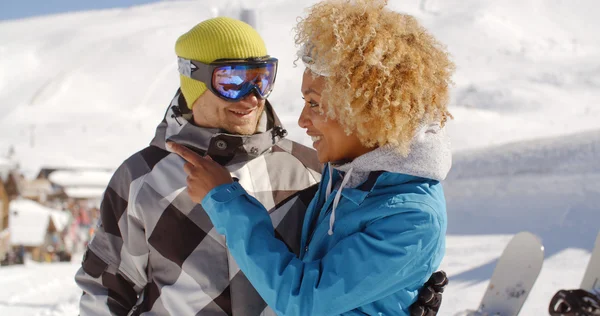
239,117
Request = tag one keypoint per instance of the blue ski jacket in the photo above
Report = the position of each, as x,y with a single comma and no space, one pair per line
371,237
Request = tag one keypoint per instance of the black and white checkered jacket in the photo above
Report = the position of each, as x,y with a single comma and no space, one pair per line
156,252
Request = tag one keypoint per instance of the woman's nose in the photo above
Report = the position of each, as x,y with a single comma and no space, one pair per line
304,119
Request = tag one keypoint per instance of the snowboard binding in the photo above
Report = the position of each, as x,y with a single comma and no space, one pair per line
574,303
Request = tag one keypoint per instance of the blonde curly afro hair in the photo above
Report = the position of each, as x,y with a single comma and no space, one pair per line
386,75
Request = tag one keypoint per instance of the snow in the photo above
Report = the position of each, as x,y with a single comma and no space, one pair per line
4,162
98,82
5,167
85,178
28,222
82,183
550,187
85,192
87,90
49,289
60,219
39,289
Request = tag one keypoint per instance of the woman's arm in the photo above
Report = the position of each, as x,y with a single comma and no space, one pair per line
392,253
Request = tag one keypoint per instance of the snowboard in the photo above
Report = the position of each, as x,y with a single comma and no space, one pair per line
513,278
591,277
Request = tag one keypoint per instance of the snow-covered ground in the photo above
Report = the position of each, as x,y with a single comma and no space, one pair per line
39,289
88,89
550,187
49,289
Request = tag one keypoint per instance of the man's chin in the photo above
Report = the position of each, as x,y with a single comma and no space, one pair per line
246,129
247,126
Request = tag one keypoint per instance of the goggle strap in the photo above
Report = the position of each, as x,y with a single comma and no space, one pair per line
194,70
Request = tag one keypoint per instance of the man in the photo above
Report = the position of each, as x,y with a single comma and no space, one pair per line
156,251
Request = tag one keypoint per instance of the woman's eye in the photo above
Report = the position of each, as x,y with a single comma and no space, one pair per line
312,104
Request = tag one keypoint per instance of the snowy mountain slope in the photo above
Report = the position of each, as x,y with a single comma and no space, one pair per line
88,88
572,154
550,187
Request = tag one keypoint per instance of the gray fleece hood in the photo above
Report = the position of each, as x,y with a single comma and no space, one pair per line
430,157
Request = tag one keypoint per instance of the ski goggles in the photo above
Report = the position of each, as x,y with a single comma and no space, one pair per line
233,79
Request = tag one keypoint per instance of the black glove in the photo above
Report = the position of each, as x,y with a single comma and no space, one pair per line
430,296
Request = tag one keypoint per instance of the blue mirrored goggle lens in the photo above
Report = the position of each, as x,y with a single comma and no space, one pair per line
237,81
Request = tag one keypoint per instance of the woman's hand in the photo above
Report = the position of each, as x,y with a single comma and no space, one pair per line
203,173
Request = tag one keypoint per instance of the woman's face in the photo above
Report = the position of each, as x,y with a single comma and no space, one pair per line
328,136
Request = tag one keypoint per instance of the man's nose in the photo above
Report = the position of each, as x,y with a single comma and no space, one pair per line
251,100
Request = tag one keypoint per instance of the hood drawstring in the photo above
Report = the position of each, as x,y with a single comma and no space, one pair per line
328,192
338,195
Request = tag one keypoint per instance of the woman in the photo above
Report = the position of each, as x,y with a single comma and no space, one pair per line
376,94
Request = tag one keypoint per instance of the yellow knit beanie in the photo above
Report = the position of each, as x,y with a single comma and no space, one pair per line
214,39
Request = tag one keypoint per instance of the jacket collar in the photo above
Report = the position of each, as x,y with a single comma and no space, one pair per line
373,180
356,195
430,157
225,148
